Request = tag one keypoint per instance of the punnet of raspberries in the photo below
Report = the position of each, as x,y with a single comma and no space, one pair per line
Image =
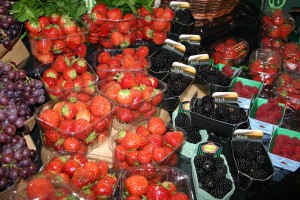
287,147
228,71
270,112
245,91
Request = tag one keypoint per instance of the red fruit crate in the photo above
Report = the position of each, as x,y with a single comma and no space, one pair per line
148,177
75,122
151,142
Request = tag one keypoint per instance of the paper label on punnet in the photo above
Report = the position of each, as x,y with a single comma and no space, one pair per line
248,134
180,67
174,46
198,59
192,39
225,97
179,4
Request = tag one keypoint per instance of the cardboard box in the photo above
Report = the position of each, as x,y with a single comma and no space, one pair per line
18,54
279,161
260,125
244,102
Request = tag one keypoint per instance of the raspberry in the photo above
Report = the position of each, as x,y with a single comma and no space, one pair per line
288,149
254,90
238,84
273,102
281,140
227,70
276,150
296,157
296,149
245,92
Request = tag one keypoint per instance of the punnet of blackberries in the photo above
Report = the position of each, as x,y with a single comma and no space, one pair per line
205,106
161,61
184,16
177,83
214,76
9,27
211,173
193,136
191,49
251,161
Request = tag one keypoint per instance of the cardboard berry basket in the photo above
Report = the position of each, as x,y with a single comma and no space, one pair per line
75,122
55,83
147,94
200,193
109,62
291,139
173,52
45,49
216,126
244,102
154,148
266,127
246,181
160,174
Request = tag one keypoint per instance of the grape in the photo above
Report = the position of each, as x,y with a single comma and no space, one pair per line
26,152
7,159
3,11
33,168
3,115
2,171
19,123
25,172
10,129
3,182
7,4
25,162
21,73
3,138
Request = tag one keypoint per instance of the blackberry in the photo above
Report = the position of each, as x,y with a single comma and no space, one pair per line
222,167
236,119
258,174
207,110
250,156
208,156
219,175
193,135
178,88
198,161
208,166
191,50
243,165
206,189
239,149
201,175
168,93
256,152
225,186
217,193
207,99
182,120
185,43
221,111
161,62
172,78
218,160
260,159
184,16
209,182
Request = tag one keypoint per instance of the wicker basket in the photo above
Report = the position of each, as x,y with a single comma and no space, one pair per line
209,9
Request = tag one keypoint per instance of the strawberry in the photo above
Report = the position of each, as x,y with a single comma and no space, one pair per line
82,129
55,165
120,153
145,107
82,177
157,192
102,124
159,37
136,185
156,125
103,189
81,159
286,30
54,18
157,97
278,17
124,27
142,51
168,14
49,119
44,46
33,26
125,97
83,114
45,58
103,166
100,106
150,113
144,157
148,33
275,33
50,73
129,140
179,196
69,110
70,166
114,14
38,188
93,167
101,8
81,50
155,139
52,135
78,83
158,154
71,144
132,158
137,98
116,38
102,71
74,40
147,93
125,115
158,12
159,25
170,186
61,63
80,65
174,138
125,80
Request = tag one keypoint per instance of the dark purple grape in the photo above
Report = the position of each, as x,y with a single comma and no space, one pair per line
40,99
19,123
12,74
12,118
2,171
21,73
3,11
26,152
25,162
8,151
6,43
3,138
3,183
10,85
7,4
14,174
10,129
25,172
32,153
7,159
5,25
10,20
38,84
18,155
21,112
33,168
4,100
3,115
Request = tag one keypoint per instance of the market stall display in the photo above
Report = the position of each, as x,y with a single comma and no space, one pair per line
128,105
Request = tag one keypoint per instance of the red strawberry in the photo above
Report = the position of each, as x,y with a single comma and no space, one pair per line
82,177
55,165
114,14
168,14
157,192
50,73
103,189
70,166
148,33
52,135
71,144
155,139
125,97
120,153
44,46
179,196
116,38
156,125
125,79
137,98
82,129
159,37
145,107
33,26
170,186
136,185
124,27
109,178
66,127
275,33
70,74
174,139
49,119
69,110
129,140
159,154
38,188
125,115
103,166
159,25
100,106
142,131
101,8
142,51
132,158
93,167
157,97
80,65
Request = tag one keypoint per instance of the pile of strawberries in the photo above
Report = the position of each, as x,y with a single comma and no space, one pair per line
56,35
46,185
137,186
154,25
148,144
287,147
265,64
91,177
270,112
75,122
229,51
109,63
275,44
291,57
69,73
245,91
288,91
110,27
278,24
136,93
